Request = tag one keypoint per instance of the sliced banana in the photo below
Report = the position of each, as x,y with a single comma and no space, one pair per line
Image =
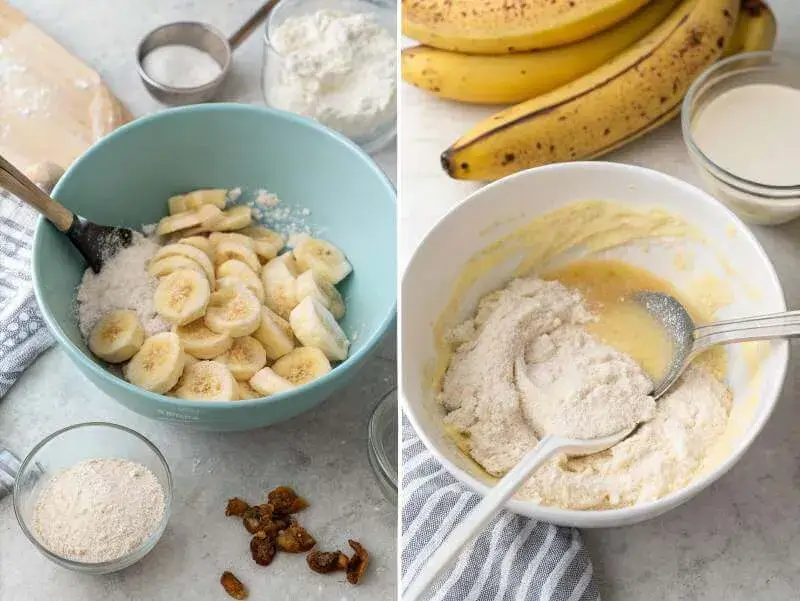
185,202
201,243
310,284
323,258
164,267
195,254
235,311
117,336
201,342
275,334
207,381
302,365
266,243
314,326
234,218
233,271
159,363
288,260
189,360
244,358
280,287
182,296
246,392
216,237
203,216
266,382
228,249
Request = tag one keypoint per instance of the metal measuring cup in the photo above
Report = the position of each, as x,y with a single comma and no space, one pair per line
204,37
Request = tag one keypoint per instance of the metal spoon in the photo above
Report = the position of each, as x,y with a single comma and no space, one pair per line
97,243
690,340
204,37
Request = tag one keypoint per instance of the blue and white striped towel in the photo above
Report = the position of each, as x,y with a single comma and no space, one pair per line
23,333
514,559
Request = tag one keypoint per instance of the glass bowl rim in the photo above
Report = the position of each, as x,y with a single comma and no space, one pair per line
81,565
376,442
687,113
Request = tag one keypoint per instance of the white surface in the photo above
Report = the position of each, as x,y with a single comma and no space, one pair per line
738,539
432,276
323,454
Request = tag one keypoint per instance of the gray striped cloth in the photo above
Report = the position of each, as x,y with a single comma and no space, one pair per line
23,333
514,559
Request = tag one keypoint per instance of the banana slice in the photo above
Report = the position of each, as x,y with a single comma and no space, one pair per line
233,271
266,382
310,284
302,365
314,326
246,392
164,267
234,218
159,363
216,237
266,243
195,254
275,334
207,381
244,358
235,311
228,249
280,287
288,260
201,342
323,258
117,336
203,216
182,296
185,202
200,243
189,360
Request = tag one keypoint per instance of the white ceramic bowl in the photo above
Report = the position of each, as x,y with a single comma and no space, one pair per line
508,204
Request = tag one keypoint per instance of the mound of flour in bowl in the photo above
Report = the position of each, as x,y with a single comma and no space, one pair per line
524,367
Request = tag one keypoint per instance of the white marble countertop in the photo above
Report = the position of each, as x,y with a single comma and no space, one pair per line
738,540
323,453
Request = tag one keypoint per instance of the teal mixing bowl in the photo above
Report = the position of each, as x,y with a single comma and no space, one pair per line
125,180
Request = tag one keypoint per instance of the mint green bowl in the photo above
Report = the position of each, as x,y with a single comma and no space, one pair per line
126,178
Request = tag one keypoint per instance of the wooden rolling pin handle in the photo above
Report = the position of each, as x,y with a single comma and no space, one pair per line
18,184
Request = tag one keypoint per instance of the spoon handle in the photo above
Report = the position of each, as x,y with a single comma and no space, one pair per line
764,327
241,34
481,515
15,182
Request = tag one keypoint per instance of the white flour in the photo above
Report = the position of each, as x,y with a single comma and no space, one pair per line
123,283
524,367
335,67
99,510
180,66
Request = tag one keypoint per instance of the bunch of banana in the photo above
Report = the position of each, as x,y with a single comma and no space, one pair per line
236,305
579,100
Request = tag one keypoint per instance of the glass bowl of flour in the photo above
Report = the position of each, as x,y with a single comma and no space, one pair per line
335,62
94,497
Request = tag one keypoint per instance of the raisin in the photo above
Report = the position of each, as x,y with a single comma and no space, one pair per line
233,586
286,501
295,539
357,563
323,562
259,518
262,548
237,507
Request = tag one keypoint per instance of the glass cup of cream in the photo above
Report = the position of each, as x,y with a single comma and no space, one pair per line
741,124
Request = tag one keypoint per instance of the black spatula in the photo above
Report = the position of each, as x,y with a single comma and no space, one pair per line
97,243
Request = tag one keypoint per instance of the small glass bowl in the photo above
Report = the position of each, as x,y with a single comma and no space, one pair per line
754,202
385,11
65,448
383,444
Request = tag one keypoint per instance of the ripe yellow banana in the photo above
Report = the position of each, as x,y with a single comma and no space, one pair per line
756,29
596,112
503,26
510,78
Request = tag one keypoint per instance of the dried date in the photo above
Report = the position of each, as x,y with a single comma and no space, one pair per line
357,563
262,548
233,586
323,562
295,539
286,501
236,507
